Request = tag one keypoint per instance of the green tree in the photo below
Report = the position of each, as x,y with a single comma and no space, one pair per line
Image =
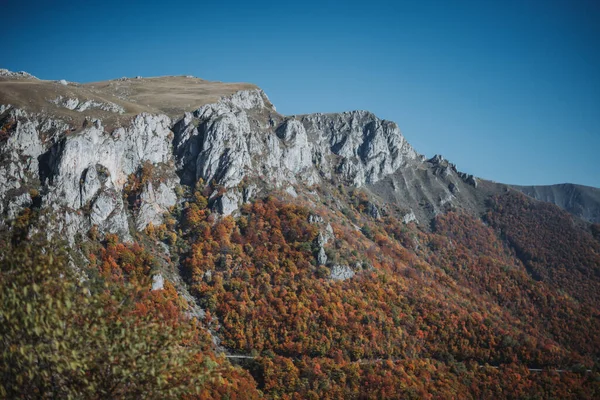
59,340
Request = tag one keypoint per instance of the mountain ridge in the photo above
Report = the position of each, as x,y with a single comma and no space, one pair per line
338,261
240,137
219,130
580,200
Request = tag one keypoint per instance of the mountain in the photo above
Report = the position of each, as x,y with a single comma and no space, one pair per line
81,143
320,252
579,200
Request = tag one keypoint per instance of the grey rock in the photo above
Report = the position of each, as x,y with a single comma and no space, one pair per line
90,185
366,147
430,187
17,204
154,203
10,74
373,211
4,108
146,140
320,242
322,257
208,275
468,178
410,217
324,237
108,213
227,141
229,202
328,235
88,170
291,191
81,106
341,272
19,154
446,198
158,282
239,144
238,138
248,192
103,207
315,219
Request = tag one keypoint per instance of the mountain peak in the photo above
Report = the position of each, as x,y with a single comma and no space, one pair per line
83,142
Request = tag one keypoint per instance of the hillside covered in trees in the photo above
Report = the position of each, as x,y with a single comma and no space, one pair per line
503,307
204,246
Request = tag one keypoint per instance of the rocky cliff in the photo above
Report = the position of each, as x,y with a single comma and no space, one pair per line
346,267
72,148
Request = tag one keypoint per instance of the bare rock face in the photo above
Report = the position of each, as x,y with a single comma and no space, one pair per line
119,153
158,282
75,104
4,73
341,272
325,236
75,162
242,136
239,144
17,204
410,217
83,173
229,140
425,188
154,203
358,146
20,148
20,152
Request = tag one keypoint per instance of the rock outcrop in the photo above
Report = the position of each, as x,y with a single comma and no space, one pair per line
357,146
4,73
341,273
239,145
230,140
75,104
82,173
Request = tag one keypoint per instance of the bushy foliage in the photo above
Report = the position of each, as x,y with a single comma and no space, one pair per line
60,340
107,336
447,305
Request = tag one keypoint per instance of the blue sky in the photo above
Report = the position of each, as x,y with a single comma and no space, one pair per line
507,90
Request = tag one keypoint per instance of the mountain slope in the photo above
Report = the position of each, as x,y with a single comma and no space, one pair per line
320,251
80,152
579,200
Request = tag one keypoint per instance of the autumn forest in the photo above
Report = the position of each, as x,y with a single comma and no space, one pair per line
504,305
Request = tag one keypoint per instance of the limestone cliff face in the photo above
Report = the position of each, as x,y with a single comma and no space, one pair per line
243,137
239,143
84,170
357,145
20,149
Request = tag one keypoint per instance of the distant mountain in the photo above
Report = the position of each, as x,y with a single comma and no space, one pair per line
157,232
579,200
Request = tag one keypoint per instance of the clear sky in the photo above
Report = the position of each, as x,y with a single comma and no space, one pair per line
507,90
